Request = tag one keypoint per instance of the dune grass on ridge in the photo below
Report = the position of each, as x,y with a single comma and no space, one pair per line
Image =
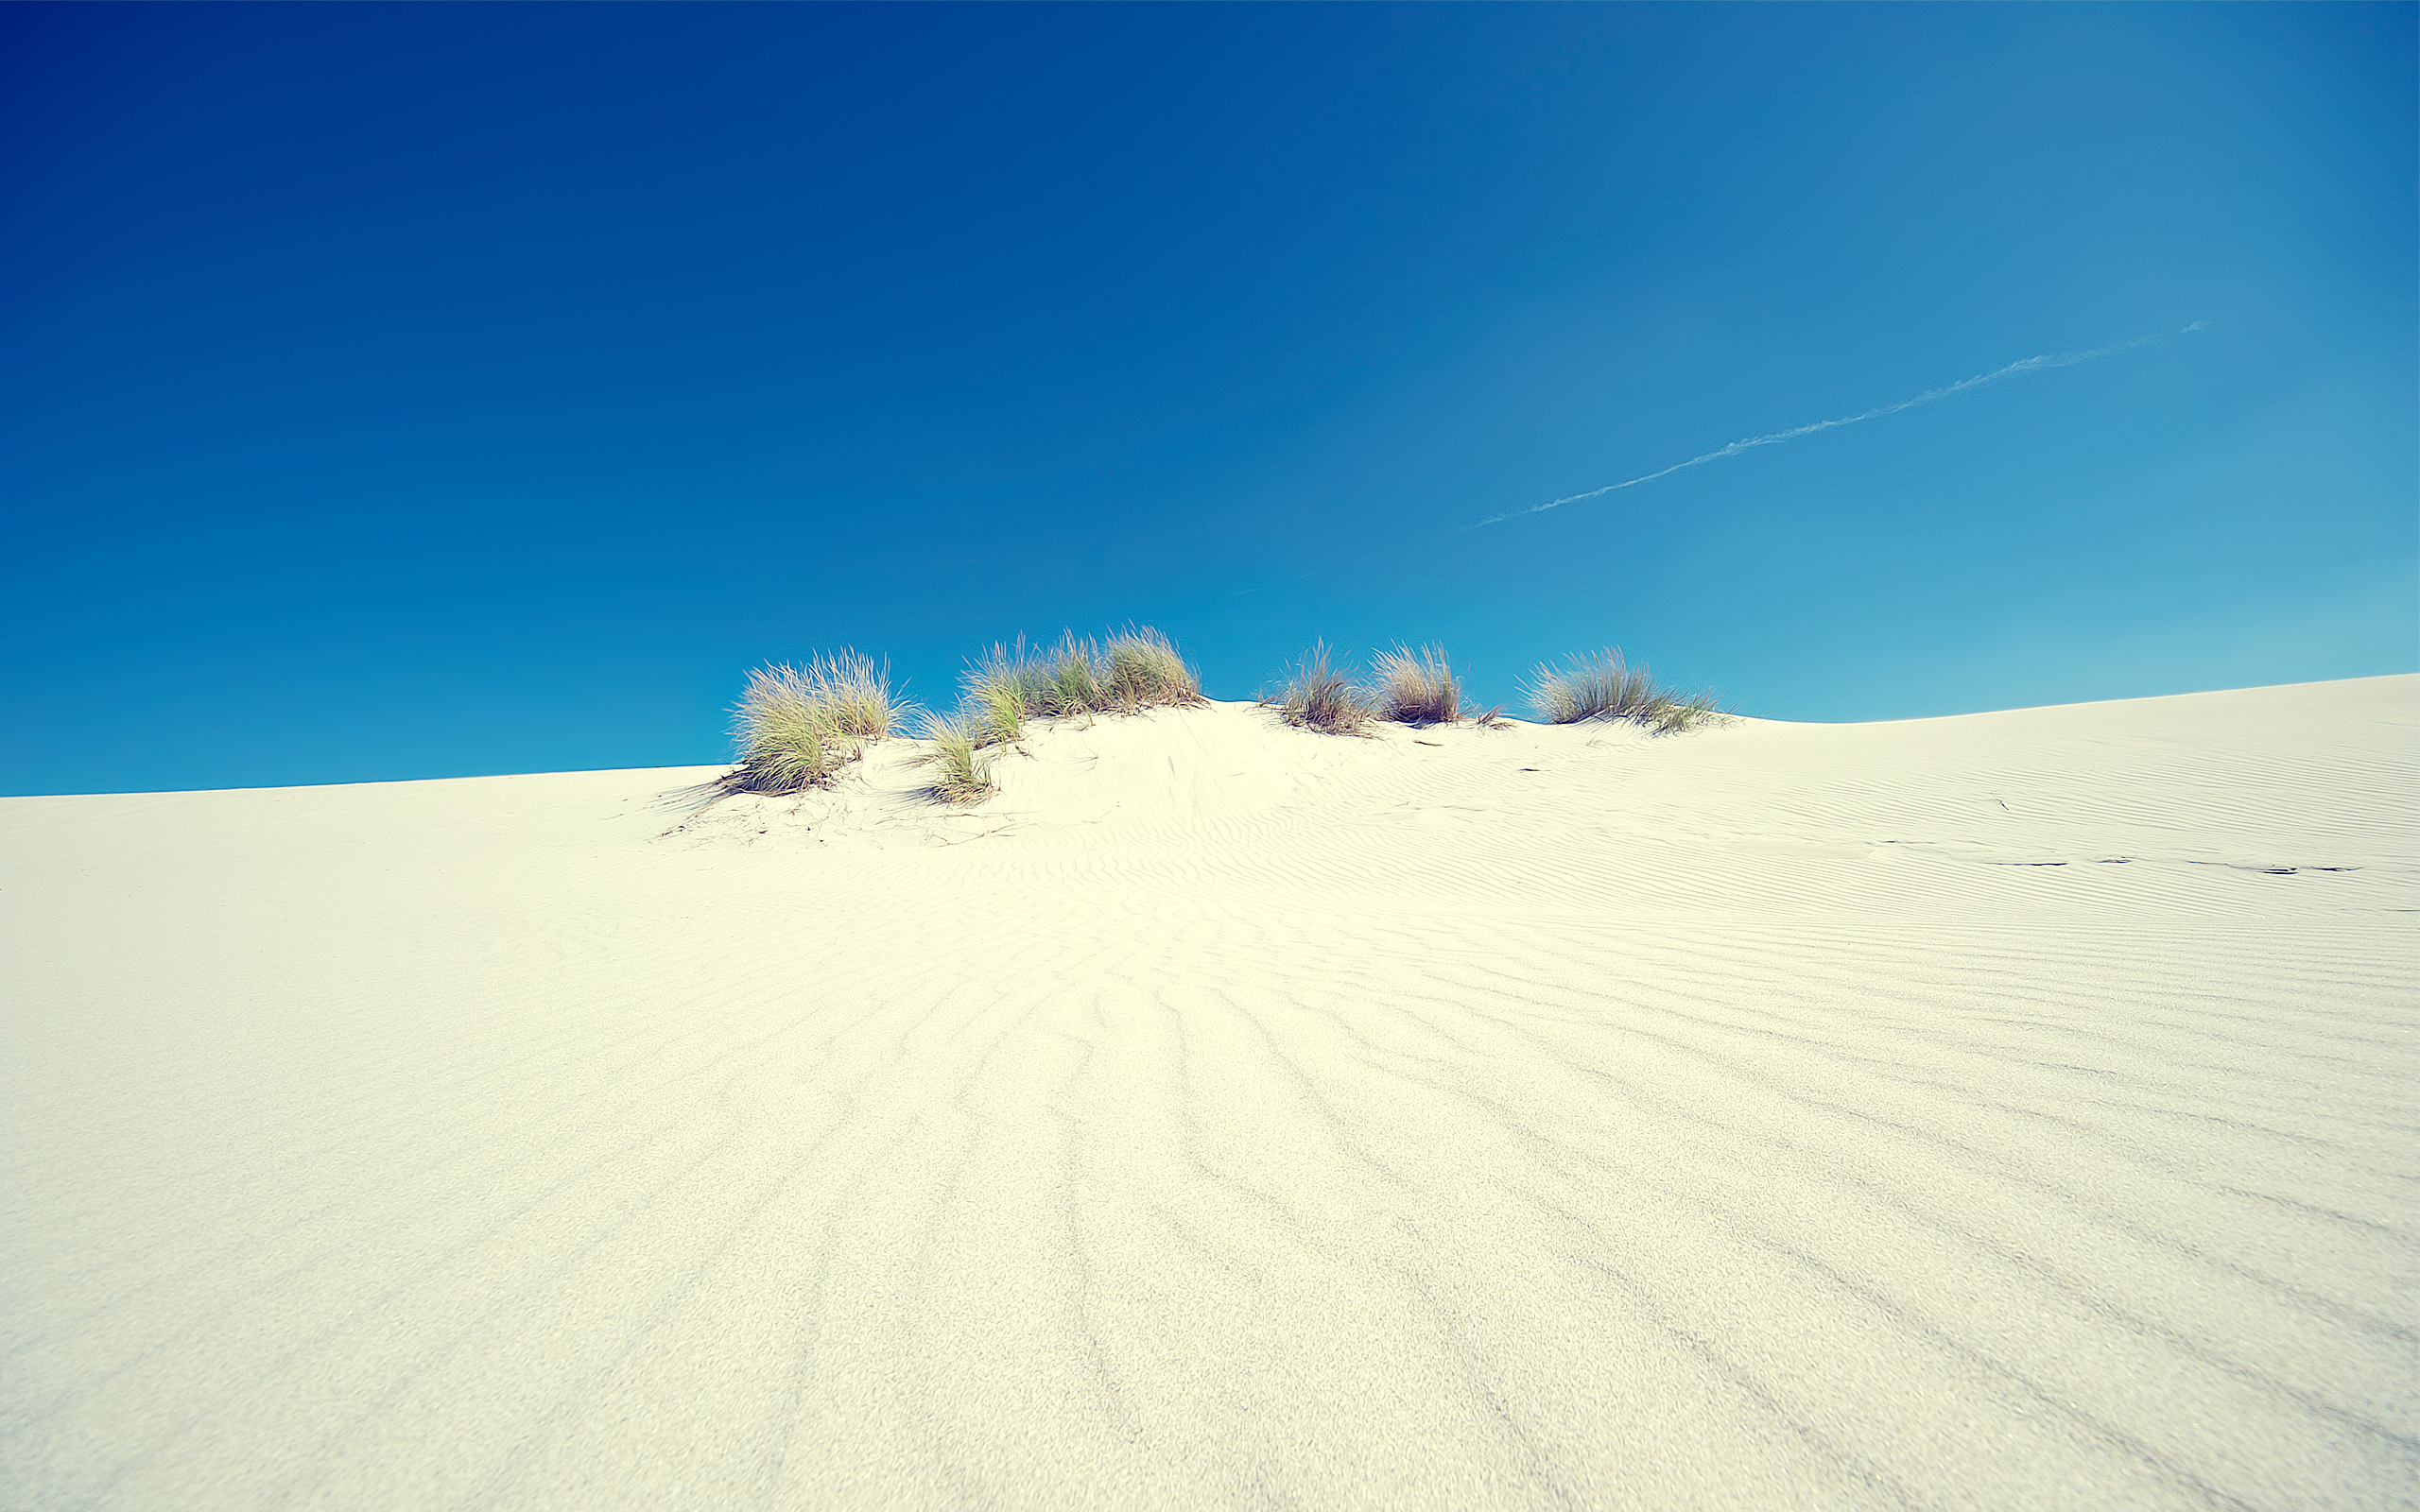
1409,687
1145,671
1000,690
1125,672
795,725
1317,695
1011,684
1417,687
1603,686
961,767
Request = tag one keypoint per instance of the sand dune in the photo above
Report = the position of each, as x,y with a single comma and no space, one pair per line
2007,1112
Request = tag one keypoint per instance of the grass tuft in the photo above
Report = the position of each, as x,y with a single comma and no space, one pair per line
1010,685
795,727
1003,688
1605,687
1418,688
1134,669
1688,711
962,770
1071,680
1141,669
1318,696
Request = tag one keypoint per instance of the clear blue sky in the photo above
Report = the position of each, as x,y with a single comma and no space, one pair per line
444,389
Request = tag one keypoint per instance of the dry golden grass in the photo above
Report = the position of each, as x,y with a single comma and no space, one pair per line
797,726
999,691
1605,687
1318,695
961,769
1134,669
1011,684
1071,679
1142,669
1417,687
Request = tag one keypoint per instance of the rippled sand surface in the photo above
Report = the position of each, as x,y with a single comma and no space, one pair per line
2007,1112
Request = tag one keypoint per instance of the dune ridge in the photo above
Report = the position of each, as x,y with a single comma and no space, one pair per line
2007,1110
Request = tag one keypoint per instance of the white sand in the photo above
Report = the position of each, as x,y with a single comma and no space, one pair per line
2007,1112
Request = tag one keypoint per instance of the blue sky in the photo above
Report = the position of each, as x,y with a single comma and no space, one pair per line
422,391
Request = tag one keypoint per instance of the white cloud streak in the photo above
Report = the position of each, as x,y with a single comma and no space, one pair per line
2018,368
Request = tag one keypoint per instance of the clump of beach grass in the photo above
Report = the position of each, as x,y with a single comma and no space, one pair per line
1141,669
795,725
1125,672
1000,690
1318,695
1417,687
1012,684
962,770
1073,676
1605,687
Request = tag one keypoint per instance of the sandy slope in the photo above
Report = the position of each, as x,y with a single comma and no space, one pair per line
2007,1112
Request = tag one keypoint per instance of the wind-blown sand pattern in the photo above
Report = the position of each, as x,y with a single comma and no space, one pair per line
2007,1112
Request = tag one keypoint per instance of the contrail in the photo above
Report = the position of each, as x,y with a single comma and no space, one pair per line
2056,359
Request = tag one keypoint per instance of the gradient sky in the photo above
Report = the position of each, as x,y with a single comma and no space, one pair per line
425,392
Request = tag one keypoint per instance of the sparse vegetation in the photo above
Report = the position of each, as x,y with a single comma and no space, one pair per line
1134,669
1605,687
1000,690
1012,684
1688,711
1142,670
1318,696
1417,687
1072,677
795,727
962,770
